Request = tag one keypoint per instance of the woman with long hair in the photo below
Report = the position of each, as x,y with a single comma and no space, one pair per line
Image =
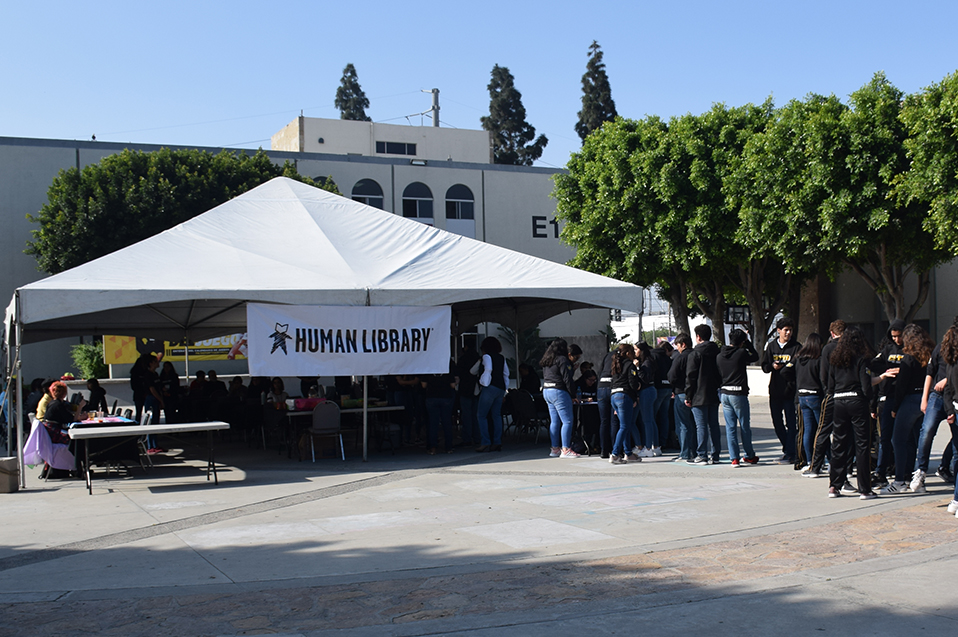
557,388
850,384
949,354
810,393
906,405
625,383
646,402
493,382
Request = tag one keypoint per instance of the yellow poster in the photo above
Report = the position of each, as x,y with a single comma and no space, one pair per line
118,350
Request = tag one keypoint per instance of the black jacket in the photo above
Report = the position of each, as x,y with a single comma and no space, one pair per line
910,380
627,380
823,364
850,382
732,363
781,383
890,356
678,371
558,375
808,378
662,364
702,377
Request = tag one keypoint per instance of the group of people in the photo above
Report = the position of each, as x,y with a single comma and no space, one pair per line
830,402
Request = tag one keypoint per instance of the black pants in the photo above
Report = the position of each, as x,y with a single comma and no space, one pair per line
823,438
851,431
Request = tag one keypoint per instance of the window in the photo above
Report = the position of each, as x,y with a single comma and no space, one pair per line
459,203
460,211
395,148
417,202
368,192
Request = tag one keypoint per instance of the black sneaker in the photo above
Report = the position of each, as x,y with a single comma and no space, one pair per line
878,479
945,474
848,488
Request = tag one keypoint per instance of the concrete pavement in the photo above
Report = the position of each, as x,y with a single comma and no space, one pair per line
512,542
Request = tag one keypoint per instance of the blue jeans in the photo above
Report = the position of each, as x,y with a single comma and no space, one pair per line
784,429
662,396
603,396
907,419
440,413
736,408
707,430
647,399
622,405
467,419
684,428
490,405
560,413
811,407
934,414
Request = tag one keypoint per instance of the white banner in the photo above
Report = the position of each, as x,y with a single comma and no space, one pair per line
311,340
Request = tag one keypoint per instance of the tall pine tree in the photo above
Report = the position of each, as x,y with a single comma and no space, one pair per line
350,99
511,134
597,104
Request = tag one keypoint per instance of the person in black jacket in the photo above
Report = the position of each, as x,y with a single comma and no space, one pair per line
949,354
732,363
557,388
702,382
625,385
779,362
684,423
811,392
933,408
917,346
823,437
886,363
608,421
850,385
662,359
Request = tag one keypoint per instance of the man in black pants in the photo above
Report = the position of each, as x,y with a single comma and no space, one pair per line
779,362
823,438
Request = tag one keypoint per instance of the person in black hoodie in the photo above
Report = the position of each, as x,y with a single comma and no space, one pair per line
823,437
732,363
608,421
886,363
917,346
662,358
779,361
808,381
702,382
850,385
684,423
949,354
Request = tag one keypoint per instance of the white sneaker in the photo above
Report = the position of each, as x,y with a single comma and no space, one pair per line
917,482
555,452
637,450
953,506
656,452
569,453
646,453
894,488
809,473
617,459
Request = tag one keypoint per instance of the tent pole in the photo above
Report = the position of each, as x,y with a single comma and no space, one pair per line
186,357
516,370
365,417
18,415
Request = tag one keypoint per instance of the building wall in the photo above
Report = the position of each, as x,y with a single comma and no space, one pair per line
349,137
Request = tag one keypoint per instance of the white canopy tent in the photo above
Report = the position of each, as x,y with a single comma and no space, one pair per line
286,242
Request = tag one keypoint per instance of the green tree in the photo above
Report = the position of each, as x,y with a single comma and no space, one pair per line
511,135
597,104
931,119
133,195
350,98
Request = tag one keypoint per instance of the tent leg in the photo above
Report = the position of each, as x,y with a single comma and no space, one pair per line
365,418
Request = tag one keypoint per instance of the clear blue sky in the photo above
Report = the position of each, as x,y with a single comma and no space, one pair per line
233,73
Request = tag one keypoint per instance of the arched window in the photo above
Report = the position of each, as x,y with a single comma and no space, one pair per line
460,211
368,192
417,202
459,203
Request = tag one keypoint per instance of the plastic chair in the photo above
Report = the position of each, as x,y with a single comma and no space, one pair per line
326,422
525,414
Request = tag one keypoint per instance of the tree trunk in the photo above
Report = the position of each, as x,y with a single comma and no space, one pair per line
887,281
679,299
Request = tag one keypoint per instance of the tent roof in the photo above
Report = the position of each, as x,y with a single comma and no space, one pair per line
287,242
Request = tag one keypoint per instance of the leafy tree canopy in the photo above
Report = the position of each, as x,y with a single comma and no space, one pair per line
350,98
598,106
511,135
133,195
